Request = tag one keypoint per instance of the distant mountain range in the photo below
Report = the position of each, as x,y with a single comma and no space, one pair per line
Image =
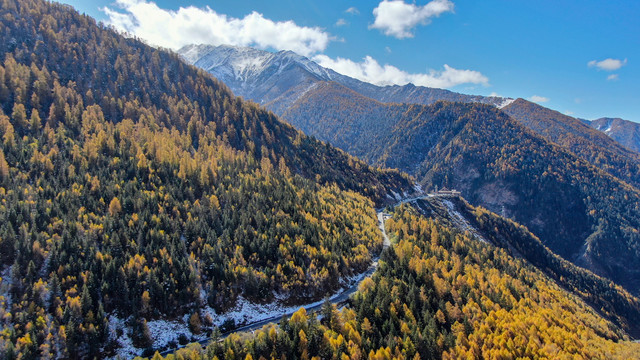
576,208
625,132
278,80
586,142
143,205
570,184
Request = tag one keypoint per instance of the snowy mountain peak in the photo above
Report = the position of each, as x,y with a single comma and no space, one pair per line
240,67
279,79
224,61
505,101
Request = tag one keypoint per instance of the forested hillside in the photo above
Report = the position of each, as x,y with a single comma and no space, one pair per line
284,82
587,143
135,186
611,300
581,212
346,119
438,294
555,182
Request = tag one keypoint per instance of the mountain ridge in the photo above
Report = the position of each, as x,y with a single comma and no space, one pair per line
625,132
278,95
520,243
588,143
135,188
494,159
140,199
224,60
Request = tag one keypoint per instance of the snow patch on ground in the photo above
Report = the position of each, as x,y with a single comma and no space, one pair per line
163,331
5,284
244,312
505,102
126,349
461,222
307,89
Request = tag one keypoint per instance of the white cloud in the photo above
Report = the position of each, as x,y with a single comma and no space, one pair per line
569,113
612,77
192,25
341,22
352,10
370,70
608,64
539,99
397,18
387,49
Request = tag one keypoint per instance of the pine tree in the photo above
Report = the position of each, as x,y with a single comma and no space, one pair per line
19,116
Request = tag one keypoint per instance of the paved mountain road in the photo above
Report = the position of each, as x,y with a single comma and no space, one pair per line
335,299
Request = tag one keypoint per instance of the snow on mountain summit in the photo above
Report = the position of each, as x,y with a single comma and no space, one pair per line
278,79
245,63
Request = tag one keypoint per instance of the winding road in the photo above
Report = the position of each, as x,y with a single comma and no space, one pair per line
335,299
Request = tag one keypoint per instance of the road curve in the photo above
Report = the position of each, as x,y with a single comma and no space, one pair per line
335,299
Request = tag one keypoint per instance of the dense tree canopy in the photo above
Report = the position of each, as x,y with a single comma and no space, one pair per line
589,144
438,294
570,185
134,185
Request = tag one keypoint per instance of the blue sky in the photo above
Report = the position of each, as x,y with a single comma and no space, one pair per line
578,57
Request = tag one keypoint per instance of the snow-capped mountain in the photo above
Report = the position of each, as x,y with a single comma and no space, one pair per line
623,131
246,64
278,80
275,80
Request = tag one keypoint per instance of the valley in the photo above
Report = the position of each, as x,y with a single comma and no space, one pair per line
535,165
161,198
454,212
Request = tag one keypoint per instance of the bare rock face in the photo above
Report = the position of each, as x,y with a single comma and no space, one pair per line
496,195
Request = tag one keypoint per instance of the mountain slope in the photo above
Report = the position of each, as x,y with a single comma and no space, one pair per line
625,132
440,294
282,80
580,212
135,188
610,300
277,80
346,119
584,141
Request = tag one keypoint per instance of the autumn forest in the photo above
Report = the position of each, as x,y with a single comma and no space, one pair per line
137,188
